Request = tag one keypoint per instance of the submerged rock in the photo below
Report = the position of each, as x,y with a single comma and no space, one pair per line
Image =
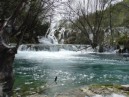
37,95
125,87
87,91
91,91
95,91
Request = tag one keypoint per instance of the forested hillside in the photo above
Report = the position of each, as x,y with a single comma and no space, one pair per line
119,14
106,25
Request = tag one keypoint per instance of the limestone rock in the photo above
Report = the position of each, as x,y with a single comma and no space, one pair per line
125,87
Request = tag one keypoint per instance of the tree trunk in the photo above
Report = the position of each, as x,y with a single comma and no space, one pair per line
6,69
110,23
95,41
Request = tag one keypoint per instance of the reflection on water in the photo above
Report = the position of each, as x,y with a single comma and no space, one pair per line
73,69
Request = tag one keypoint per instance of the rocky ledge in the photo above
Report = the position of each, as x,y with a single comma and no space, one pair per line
94,91
98,91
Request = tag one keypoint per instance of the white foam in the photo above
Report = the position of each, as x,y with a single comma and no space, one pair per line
46,54
112,95
117,95
98,95
49,40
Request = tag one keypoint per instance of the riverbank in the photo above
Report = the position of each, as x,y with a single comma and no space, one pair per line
93,91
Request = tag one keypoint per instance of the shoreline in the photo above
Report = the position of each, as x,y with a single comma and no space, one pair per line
93,91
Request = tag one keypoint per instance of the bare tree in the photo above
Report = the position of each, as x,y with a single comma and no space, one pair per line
21,21
87,16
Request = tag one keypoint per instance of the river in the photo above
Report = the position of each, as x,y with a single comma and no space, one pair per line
73,69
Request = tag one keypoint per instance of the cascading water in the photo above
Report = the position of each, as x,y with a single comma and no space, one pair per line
49,38
56,48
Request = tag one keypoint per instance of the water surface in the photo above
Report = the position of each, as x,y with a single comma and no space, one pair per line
73,69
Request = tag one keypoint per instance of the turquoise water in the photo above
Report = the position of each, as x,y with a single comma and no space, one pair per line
73,69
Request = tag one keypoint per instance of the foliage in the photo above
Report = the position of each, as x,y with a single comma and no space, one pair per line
120,15
98,22
123,40
30,19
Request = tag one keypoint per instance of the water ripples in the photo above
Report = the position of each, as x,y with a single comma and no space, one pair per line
72,69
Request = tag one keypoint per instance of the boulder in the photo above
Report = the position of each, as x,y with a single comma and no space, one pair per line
125,87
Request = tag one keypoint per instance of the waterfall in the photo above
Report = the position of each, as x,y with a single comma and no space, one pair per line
49,38
53,48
